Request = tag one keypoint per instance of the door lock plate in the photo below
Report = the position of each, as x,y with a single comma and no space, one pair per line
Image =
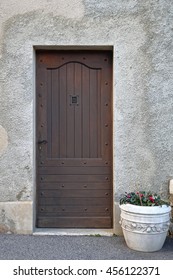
74,100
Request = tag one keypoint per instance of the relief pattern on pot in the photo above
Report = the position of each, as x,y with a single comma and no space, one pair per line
144,227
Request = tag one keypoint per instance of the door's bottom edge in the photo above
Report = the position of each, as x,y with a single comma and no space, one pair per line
66,231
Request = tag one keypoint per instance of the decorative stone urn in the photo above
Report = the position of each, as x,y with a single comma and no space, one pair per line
145,227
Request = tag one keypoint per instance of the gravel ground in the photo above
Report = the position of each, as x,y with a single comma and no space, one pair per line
30,247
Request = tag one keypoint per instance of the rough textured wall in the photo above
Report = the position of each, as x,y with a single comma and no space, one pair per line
141,33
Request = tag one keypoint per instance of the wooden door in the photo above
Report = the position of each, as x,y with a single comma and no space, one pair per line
74,139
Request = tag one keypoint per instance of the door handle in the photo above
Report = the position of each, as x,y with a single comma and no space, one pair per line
42,142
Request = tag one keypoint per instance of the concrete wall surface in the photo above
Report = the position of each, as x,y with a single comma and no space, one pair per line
141,33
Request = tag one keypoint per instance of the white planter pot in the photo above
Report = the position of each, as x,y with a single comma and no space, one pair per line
145,227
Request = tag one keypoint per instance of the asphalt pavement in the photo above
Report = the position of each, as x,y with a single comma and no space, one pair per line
47,247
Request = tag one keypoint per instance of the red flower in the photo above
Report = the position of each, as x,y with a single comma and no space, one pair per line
151,198
141,194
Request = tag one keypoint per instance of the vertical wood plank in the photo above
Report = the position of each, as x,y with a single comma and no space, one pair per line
106,105
93,114
55,113
78,108
41,126
70,112
99,114
85,111
63,111
49,113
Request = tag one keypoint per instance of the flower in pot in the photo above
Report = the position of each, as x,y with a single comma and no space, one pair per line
145,220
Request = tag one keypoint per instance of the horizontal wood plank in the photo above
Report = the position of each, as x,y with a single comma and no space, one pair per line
74,210
75,193
84,170
72,162
75,186
63,201
75,178
74,222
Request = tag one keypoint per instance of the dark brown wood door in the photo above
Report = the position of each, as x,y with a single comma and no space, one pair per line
74,139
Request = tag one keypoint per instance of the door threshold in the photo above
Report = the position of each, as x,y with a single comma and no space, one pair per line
67,231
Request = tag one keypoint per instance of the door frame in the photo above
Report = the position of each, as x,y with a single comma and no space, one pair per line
80,48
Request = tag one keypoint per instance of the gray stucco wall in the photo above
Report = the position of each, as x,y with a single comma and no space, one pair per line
141,34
